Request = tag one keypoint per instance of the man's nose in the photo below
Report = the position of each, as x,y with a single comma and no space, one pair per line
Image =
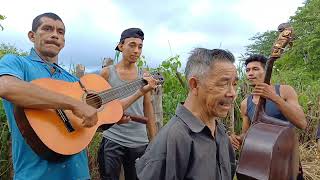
249,72
232,91
54,34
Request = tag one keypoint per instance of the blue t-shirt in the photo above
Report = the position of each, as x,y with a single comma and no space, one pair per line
26,163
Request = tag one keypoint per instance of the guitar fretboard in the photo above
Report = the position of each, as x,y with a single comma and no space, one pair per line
120,91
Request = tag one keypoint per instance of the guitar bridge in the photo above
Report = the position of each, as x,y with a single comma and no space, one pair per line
65,120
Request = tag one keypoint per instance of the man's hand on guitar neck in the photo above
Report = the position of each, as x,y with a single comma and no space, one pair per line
152,83
87,113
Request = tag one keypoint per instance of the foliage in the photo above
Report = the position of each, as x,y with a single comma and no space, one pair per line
174,88
1,18
10,49
262,43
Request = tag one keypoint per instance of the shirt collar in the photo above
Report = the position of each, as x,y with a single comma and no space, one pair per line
35,57
195,124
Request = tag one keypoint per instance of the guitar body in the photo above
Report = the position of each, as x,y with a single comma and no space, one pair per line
46,133
269,152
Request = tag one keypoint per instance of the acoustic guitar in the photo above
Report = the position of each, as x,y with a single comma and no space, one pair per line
55,134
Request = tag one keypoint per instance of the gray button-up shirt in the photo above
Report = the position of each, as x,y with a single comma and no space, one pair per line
185,149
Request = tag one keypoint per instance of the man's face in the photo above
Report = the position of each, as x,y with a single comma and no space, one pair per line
131,49
49,37
217,89
255,72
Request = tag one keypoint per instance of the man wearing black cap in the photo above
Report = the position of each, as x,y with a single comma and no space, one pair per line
124,143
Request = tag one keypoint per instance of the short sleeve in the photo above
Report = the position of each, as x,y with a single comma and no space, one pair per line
12,65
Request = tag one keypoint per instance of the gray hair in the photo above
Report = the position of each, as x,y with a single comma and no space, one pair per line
201,60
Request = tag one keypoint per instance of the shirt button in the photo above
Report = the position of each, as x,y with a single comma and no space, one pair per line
77,165
63,166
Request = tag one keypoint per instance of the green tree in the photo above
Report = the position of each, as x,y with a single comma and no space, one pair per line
262,43
10,49
174,88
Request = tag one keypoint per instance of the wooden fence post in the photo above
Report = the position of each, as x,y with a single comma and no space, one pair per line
157,106
80,69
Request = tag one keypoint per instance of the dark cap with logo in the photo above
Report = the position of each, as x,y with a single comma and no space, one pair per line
131,33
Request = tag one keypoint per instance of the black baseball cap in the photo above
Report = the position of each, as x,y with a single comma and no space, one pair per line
131,33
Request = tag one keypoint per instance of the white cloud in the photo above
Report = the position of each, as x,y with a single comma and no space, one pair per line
265,15
94,27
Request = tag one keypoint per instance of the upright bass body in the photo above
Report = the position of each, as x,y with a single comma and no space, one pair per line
269,152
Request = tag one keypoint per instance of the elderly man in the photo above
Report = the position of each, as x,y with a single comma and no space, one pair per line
194,144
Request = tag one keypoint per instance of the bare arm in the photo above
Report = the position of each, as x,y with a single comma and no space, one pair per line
245,118
149,113
287,103
290,108
28,95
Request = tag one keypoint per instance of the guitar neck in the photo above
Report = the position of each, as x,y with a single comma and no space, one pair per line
121,91
262,101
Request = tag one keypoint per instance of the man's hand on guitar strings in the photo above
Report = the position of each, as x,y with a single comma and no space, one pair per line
87,113
265,90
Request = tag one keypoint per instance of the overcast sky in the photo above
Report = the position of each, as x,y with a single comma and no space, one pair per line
93,27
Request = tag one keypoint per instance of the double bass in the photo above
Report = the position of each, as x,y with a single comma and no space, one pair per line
270,148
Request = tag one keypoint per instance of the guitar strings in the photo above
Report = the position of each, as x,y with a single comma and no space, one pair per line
112,90
114,93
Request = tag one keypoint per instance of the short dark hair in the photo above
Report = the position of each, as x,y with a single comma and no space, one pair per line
256,57
201,59
37,20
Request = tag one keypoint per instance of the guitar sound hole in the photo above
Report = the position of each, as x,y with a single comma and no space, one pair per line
94,100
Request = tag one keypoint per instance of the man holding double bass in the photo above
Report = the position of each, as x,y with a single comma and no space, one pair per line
281,102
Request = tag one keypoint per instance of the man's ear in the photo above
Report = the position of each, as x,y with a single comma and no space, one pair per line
193,86
120,46
31,36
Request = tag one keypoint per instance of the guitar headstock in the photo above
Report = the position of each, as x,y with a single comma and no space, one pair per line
285,37
158,76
